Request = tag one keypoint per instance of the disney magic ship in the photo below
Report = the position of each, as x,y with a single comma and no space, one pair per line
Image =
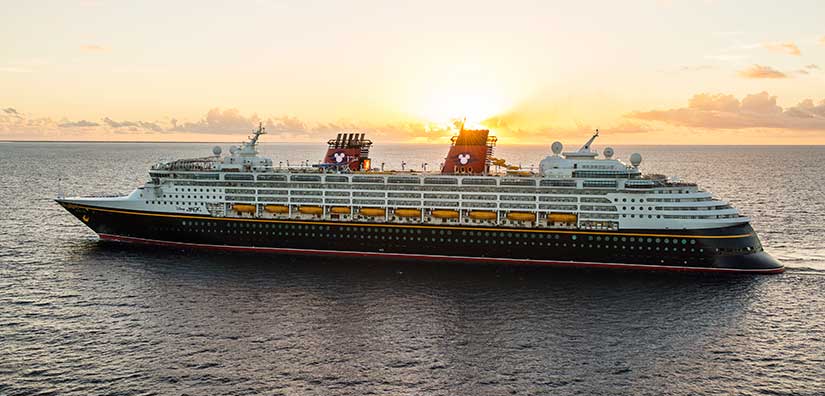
577,210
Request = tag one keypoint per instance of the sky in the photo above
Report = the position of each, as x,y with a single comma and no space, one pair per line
643,71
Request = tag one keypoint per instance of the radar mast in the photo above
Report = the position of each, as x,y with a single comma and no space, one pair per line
586,146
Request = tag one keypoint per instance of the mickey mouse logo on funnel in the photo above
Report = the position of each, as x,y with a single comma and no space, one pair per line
464,158
339,157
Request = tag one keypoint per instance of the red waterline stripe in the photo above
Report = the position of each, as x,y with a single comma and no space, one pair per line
119,238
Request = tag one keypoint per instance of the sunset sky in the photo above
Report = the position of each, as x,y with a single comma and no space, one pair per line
647,71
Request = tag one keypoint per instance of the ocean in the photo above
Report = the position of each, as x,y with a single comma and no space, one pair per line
79,316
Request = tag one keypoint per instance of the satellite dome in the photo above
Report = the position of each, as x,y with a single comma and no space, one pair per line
635,159
216,150
557,147
608,152
233,149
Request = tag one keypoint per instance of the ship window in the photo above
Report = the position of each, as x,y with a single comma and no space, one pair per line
440,180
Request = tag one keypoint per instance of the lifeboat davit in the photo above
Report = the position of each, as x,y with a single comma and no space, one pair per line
408,212
483,215
276,208
373,212
243,208
445,214
312,210
521,216
340,210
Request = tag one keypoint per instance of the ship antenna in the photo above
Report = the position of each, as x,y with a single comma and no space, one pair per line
260,131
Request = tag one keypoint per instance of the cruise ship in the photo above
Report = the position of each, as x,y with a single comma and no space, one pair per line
579,209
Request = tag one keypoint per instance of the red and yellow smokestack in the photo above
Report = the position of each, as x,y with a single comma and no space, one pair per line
470,152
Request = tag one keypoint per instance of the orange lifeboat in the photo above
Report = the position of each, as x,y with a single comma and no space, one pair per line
445,214
483,215
312,210
562,218
340,210
408,212
243,208
521,216
373,212
276,209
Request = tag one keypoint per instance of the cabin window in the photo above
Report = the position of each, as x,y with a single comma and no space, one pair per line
238,176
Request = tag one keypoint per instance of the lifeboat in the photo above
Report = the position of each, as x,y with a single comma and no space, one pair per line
312,210
562,218
521,216
483,215
408,212
373,212
445,214
340,210
243,208
276,208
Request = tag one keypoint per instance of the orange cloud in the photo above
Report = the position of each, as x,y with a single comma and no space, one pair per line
759,71
719,111
783,48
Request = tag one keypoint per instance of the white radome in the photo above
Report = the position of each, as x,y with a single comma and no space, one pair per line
557,147
216,150
635,159
608,152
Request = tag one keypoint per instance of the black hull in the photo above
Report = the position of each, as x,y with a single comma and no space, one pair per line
730,249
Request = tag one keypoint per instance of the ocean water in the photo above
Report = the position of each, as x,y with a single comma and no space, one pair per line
79,316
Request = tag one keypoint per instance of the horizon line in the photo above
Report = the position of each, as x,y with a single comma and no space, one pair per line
400,143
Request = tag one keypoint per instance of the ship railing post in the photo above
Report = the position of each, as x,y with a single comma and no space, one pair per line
60,194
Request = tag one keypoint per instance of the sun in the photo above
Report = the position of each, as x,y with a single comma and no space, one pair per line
443,107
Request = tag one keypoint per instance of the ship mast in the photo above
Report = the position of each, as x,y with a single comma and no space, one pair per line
586,146
253,140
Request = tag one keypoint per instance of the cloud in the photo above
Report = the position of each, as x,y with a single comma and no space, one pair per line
78,124
822,40
152,126
720,111
783,48
93,48
812,67
219,122
627,127
12,112
759,71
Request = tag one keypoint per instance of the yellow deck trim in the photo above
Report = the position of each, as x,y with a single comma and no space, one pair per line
201,217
